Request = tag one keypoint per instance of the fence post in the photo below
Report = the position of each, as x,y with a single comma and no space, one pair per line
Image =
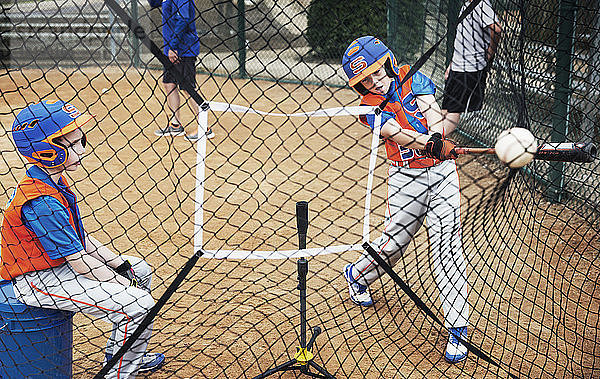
4,39
392,25
453,10
135,41
590,97
242,38
562,92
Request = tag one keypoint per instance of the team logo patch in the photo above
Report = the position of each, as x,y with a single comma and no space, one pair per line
358,64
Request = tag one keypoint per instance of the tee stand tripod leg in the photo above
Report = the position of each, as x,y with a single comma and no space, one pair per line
303,359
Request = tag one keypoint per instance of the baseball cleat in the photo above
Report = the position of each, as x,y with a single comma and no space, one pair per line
170,130
150,362
456,351
194,137
359,293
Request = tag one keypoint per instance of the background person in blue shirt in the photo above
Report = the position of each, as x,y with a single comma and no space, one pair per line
181,46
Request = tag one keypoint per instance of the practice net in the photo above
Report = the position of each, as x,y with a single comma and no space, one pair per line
286,131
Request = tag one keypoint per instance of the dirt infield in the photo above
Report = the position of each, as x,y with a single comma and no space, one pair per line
533,268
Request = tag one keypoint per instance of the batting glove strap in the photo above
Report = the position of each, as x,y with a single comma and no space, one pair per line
124,269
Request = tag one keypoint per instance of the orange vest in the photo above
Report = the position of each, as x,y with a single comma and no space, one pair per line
20,248
401,155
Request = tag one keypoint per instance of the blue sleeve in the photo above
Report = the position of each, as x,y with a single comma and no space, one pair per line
184,16
155,3
422,85
369,119
49,220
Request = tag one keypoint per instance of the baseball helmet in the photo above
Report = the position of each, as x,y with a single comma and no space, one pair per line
364,56
37,127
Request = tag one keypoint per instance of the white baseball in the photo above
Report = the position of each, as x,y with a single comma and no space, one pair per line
516,147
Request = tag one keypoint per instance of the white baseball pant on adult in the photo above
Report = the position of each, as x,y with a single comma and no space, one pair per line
125,307
432,195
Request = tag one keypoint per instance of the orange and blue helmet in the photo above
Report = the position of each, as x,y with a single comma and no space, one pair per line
37,127
364,56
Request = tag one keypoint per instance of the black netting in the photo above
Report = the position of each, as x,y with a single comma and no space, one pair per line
286,129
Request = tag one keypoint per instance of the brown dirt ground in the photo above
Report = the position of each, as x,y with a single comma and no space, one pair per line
533,266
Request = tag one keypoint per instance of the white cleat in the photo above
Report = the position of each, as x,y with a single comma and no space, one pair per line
359,293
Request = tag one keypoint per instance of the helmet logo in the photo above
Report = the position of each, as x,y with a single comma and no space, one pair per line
71,110
358,64
25,125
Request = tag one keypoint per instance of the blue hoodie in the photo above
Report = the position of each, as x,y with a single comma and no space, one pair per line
179,26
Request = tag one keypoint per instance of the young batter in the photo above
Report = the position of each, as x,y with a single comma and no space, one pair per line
423,181
46,253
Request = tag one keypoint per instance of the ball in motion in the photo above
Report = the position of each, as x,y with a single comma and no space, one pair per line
516,147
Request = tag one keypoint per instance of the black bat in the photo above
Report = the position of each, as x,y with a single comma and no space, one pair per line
584,152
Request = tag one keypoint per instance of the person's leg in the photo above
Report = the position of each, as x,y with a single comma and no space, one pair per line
454,102
173,101
190,75
143,272
125,307
445,237
449,266
173,127
407,201
451,119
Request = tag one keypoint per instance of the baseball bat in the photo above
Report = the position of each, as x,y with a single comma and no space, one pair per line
584,152
302,222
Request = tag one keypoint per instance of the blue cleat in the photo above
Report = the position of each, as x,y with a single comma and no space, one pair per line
150,362
359,293
456,351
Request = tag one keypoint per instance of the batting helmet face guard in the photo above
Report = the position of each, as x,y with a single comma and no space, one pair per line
37,127
364,56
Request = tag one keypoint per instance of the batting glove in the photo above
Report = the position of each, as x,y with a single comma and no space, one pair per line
439,148
125,270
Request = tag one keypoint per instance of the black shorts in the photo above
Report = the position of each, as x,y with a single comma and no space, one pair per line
464,91
187,68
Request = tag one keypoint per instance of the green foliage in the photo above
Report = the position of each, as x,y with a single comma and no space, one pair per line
540,21
407,29
333,24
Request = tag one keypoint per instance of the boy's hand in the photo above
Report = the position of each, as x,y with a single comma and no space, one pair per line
125,270
441,149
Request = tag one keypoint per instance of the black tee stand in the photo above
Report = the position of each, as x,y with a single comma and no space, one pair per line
303,359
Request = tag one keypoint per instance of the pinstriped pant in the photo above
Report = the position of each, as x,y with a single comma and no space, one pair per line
430,196
125,307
